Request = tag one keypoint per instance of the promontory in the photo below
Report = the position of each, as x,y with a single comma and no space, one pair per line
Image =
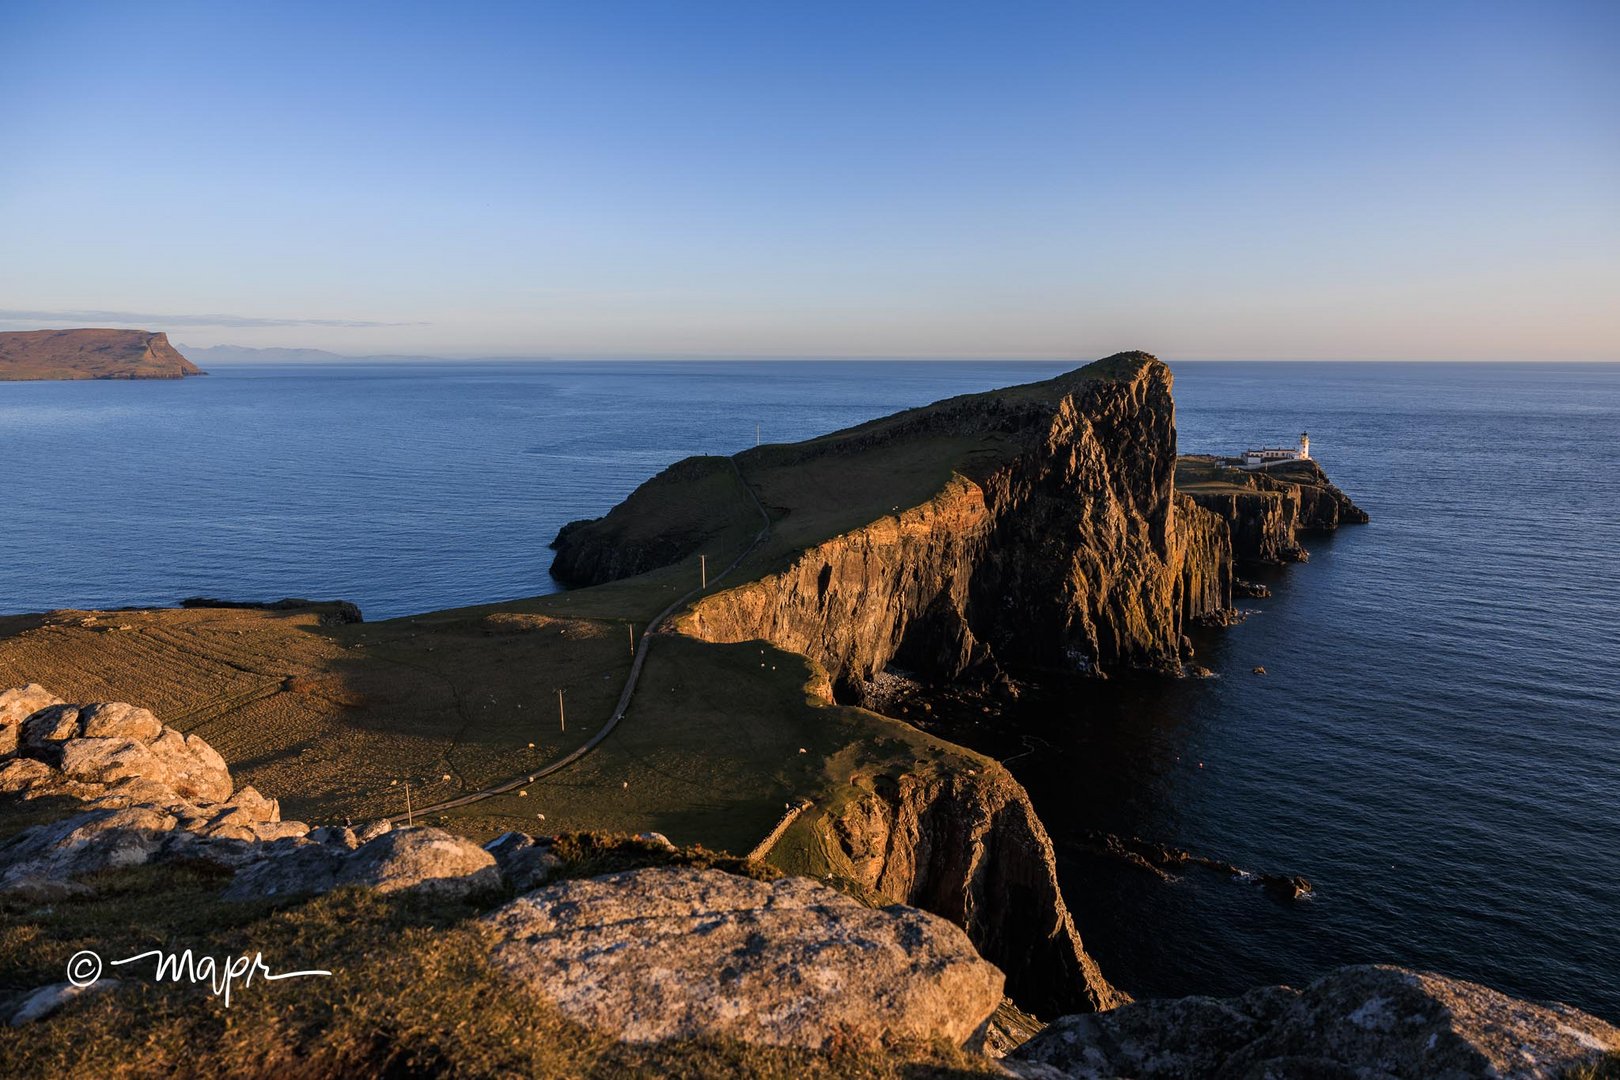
91,354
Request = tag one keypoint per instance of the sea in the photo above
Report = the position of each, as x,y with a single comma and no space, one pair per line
1435,743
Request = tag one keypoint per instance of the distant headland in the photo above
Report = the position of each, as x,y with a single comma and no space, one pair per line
91,354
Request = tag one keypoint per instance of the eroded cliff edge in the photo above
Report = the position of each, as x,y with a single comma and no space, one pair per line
91,354
1037,527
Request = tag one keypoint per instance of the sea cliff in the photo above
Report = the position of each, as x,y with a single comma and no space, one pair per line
91,354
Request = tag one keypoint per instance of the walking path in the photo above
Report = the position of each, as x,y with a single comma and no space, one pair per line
629,683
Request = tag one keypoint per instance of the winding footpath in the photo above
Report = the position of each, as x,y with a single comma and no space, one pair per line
629,684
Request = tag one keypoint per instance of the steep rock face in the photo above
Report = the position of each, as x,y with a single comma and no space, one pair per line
969,847
1205,581
1373,1022
1064,552
91,354
660,523
1267,509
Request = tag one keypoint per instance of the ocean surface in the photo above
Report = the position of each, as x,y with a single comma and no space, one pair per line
1436,744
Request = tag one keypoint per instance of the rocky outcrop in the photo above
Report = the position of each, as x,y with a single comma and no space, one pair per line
107,743
1359,1023
423,860
1064,548
968,846
91,354
672,953
1266,510
657,525
143,792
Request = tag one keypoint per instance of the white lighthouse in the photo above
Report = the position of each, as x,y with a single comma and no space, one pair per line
1276,455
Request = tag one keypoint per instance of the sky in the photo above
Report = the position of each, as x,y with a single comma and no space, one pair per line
1369,180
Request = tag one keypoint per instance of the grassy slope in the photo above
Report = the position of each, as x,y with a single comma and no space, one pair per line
329,718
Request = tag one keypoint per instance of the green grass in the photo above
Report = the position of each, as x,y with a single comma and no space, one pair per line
709,753
412,991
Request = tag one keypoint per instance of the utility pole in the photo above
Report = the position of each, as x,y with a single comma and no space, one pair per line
409,818
562,719
703,561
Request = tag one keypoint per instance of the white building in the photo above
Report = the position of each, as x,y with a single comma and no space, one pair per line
1271,455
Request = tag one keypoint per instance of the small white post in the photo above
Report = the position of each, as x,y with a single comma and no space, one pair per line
703,562
409,819
756,434
632,628
562,719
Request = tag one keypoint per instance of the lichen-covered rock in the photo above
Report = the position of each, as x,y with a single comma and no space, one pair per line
421,859
105,743
1360,1023
81,844
669,953
417,859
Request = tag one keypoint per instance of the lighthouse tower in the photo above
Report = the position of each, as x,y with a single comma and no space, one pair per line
1304,446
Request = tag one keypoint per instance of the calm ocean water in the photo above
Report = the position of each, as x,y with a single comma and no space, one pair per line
1436,745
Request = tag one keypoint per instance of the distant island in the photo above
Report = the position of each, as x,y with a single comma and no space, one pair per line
91,354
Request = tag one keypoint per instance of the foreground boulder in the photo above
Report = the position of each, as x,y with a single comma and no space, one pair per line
144,792
671,953
1358,1023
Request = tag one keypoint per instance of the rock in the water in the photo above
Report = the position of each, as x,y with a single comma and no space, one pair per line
1359,1023
672,952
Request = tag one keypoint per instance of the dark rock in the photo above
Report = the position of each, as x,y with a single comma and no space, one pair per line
1365,1023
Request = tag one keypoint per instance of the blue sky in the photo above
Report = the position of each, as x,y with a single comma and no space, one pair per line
1293,180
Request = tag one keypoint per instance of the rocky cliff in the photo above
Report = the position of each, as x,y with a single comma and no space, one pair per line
1053,539
968,846
91,354
1266,510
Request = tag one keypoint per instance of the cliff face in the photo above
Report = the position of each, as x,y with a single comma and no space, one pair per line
1267,509
91,354
969,847
663,521
1065,549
